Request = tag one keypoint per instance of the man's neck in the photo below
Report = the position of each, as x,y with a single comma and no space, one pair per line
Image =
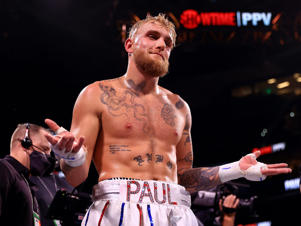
22,157
141,84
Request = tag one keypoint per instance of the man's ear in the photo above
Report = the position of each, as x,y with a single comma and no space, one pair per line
128,45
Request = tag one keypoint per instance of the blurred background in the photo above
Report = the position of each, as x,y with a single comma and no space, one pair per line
236,63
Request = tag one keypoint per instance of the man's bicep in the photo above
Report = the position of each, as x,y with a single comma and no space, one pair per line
184,147
86,120
184,152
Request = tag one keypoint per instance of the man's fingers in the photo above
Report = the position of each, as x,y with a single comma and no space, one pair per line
69,143
270,172
62,143
277,165
257,154
51,139
52,124
236,203
275,169
79,144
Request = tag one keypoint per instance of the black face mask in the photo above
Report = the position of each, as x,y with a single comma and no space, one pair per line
41,164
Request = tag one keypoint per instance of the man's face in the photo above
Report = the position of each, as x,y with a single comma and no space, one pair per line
40,143
152,47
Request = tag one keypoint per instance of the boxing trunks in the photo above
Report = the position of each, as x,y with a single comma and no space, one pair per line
130,202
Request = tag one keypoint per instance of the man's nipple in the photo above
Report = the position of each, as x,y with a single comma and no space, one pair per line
129,125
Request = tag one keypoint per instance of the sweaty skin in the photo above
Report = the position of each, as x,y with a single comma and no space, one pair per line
131,127
138,134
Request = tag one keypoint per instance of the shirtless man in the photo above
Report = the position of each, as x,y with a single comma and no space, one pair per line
138,136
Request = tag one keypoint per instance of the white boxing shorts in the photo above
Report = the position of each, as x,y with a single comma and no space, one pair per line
132,202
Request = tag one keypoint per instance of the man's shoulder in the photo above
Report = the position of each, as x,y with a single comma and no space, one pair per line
102,83
175,98
4,164
7,171
98,85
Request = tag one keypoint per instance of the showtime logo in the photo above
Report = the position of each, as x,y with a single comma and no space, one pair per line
191,19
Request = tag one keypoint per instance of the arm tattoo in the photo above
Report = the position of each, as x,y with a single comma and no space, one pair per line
188,139
179,104
139,160
168,114
196,179
187,157
113,148
187,126
169,165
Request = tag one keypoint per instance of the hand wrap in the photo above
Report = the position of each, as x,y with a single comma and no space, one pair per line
232,171
70,158
60,130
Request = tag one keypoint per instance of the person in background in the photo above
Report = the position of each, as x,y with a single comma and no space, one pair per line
29,155
217,206
228,207
46,186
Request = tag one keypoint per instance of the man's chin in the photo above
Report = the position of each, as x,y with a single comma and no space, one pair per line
154,65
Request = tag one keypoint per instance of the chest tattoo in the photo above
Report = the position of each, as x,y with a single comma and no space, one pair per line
168,115
124,104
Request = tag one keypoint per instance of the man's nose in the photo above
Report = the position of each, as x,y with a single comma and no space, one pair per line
160,44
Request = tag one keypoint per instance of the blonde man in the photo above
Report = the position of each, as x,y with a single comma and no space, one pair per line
138,135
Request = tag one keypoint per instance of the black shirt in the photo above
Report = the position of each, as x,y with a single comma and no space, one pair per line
16,202
46,188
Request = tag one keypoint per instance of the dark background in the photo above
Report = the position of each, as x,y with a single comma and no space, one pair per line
51,49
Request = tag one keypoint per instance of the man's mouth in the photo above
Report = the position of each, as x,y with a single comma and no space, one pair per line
159,55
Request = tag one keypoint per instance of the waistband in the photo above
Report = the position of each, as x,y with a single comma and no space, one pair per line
141,191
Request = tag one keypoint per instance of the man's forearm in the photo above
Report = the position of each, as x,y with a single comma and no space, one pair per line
74,176
196,179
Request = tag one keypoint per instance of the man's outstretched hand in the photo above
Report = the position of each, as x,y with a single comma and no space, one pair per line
64,140
65,145
266,169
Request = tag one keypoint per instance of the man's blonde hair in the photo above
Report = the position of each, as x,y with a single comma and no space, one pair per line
162,19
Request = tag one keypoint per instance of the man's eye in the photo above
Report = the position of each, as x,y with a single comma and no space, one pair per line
152,36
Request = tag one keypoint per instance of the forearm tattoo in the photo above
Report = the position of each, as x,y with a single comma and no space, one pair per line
196,179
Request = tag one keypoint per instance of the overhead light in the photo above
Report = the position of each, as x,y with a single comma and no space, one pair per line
298,79
283,85
271,81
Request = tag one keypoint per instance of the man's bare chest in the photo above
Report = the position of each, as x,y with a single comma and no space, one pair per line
127,114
